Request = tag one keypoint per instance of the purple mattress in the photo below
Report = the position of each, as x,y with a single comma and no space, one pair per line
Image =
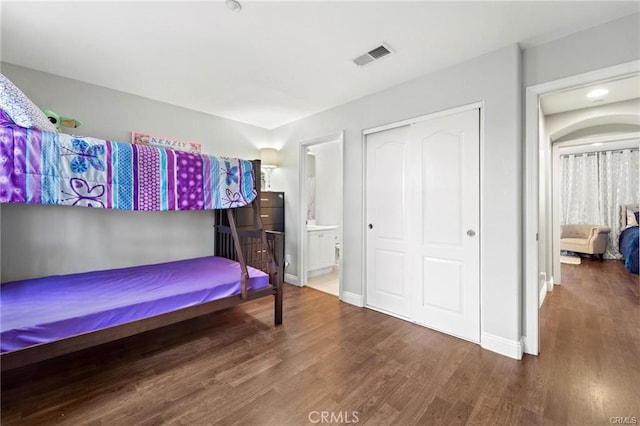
46,309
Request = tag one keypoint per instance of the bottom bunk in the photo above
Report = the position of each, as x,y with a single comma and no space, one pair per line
46,317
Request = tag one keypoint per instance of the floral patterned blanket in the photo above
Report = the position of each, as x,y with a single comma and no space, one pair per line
54,168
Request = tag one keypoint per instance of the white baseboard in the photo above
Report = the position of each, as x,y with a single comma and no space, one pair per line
511,348
543,294
291,279
319,272
352,298
547,286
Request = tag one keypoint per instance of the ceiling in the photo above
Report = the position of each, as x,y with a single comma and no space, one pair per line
273,63
619,90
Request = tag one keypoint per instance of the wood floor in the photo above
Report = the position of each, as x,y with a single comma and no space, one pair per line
350,365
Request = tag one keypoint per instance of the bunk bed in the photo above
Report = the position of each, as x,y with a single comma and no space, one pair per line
46,317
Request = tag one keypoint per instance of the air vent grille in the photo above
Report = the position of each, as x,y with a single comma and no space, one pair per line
379,52
373,55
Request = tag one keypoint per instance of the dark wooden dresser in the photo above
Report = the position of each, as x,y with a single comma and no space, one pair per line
271,213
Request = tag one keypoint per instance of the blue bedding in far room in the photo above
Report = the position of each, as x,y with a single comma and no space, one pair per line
628,243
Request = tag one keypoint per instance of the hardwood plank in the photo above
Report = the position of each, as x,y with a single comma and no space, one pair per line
458,415
436,412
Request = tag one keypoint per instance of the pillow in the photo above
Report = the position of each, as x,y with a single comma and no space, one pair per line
4,118
632,218
20,109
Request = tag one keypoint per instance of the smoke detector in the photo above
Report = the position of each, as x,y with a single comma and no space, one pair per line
233,5
373,55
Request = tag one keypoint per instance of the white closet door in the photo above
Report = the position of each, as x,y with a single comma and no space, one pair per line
447,244
423,214
388,232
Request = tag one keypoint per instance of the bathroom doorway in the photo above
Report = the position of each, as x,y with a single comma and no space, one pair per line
321,214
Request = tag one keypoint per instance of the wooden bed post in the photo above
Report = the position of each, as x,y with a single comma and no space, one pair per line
278,282
243,265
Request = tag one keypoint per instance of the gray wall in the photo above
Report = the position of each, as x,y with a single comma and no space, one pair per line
44,240
613,43
110,114
494,79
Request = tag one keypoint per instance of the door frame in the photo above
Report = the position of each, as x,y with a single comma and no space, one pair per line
532,181
407,122
302,208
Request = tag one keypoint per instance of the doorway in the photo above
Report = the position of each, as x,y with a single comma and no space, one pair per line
541,239
321,214
423,215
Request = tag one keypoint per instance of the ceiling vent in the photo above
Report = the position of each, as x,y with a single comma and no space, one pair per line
373,55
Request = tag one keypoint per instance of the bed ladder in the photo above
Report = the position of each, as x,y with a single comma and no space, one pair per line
258,226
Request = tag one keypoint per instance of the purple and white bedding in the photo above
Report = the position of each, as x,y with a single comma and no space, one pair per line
46,309
39,167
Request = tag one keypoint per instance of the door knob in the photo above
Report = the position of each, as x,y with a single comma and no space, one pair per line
370,226
471,233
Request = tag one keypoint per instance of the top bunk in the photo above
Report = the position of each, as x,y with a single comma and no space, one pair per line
41,167
38,165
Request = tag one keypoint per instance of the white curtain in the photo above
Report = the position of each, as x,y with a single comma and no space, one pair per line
594,185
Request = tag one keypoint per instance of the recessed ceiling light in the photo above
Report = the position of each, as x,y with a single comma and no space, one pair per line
234,5
597,93
596,144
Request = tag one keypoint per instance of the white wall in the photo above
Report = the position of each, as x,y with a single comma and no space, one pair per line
544,194
494,79
553,228
328,183
595,118
44,240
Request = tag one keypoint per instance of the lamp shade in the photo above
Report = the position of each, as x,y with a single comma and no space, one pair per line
269,157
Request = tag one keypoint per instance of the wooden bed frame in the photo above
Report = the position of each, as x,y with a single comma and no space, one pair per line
254,247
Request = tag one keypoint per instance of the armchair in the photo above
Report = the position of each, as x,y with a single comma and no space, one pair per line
588,239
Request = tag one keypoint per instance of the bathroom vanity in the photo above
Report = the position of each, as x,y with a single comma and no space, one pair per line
321,240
